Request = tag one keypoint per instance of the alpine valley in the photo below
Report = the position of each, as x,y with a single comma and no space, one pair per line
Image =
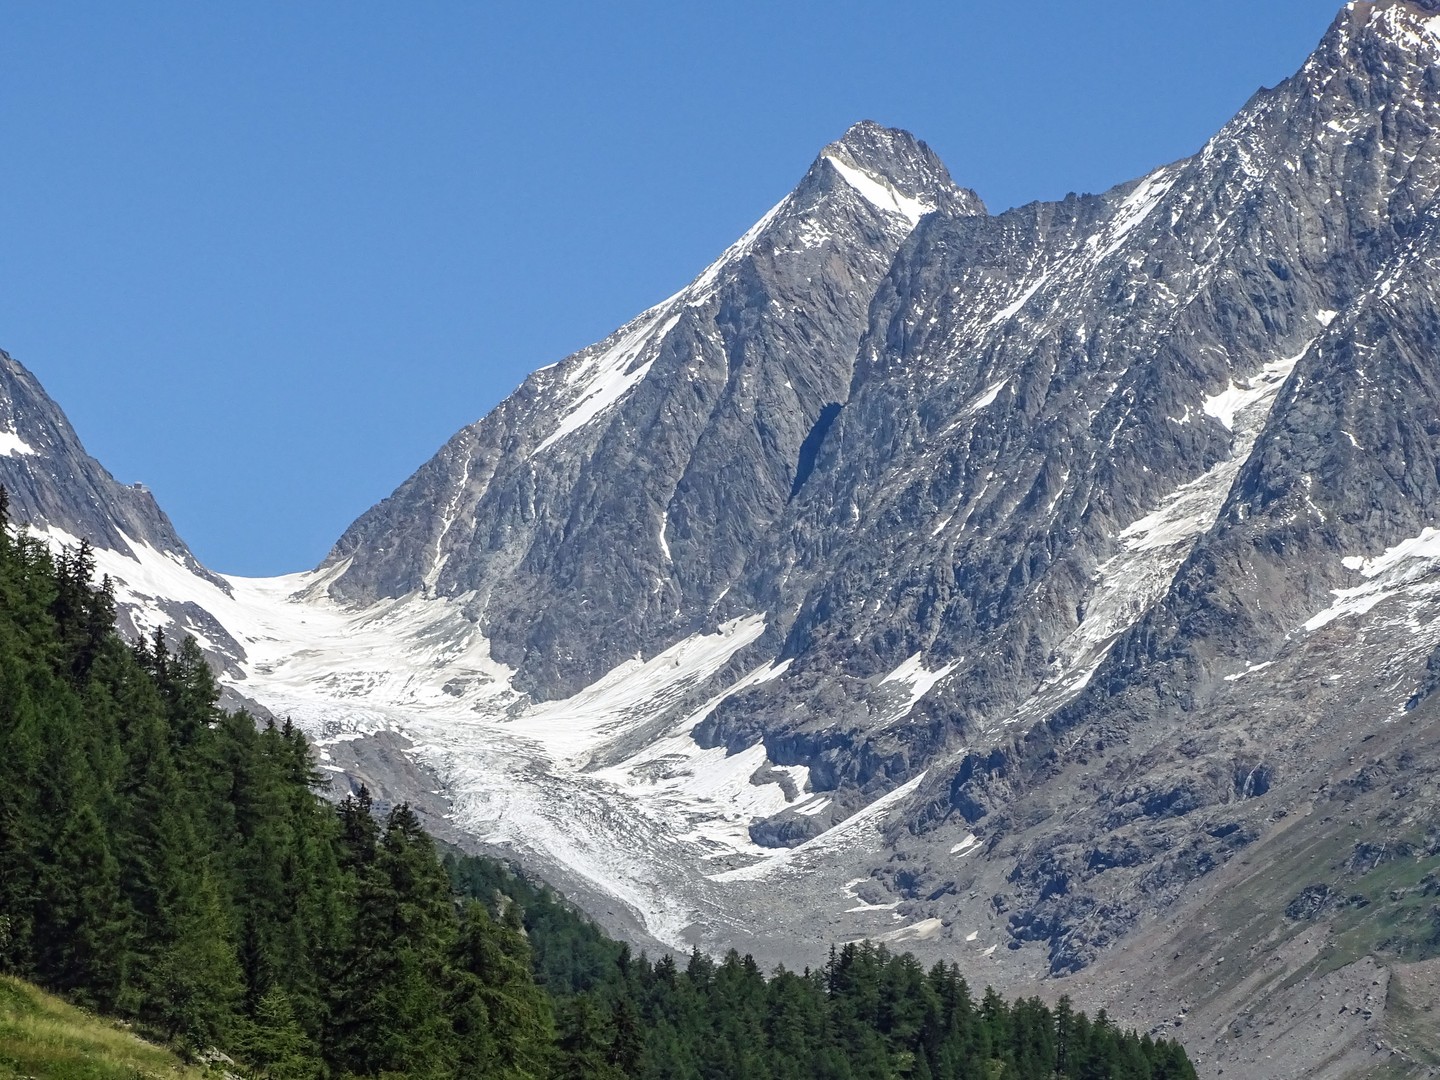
1052,591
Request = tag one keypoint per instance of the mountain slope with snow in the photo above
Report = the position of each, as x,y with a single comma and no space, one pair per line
57,489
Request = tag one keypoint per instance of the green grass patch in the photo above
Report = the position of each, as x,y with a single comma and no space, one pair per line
43,1037
1399,920
1387,1072
1415,1027
1252,913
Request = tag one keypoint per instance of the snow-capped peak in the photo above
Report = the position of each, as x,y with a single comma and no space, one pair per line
895,172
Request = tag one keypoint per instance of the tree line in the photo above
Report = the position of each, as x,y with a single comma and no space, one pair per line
175,865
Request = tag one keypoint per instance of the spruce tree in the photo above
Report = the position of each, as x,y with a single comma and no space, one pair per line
503,1021
390,1012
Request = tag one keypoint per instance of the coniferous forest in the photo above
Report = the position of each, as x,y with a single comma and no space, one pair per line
175,865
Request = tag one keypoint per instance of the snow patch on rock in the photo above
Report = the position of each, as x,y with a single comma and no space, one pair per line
917,680
880,193
602,377
857,830
11,445
1411,566
1237,397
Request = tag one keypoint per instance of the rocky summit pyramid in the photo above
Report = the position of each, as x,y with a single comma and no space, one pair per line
1051,591
606,508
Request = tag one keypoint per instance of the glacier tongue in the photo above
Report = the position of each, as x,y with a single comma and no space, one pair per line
516,773
519,774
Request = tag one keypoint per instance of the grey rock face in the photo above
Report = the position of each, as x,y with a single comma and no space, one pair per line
1344,466
54,483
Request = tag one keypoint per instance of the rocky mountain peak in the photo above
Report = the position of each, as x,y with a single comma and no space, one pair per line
607,509
895,171
1365,9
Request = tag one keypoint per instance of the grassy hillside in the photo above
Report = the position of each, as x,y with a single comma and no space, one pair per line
44,1038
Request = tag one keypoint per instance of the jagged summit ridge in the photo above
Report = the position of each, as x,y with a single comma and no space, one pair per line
1388,13
1380,40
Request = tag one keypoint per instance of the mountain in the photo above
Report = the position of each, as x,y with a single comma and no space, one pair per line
1051,591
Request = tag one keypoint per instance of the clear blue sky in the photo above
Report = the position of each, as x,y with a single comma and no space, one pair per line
268,256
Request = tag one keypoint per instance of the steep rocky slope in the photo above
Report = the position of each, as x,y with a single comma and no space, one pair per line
1069,468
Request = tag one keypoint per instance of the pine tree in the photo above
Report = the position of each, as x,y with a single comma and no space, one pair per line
195,980
275,1045
187,977
794,1024
503,1021
586,1043
390,1012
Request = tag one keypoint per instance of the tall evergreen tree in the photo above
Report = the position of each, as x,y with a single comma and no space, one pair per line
391,994
503,1020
